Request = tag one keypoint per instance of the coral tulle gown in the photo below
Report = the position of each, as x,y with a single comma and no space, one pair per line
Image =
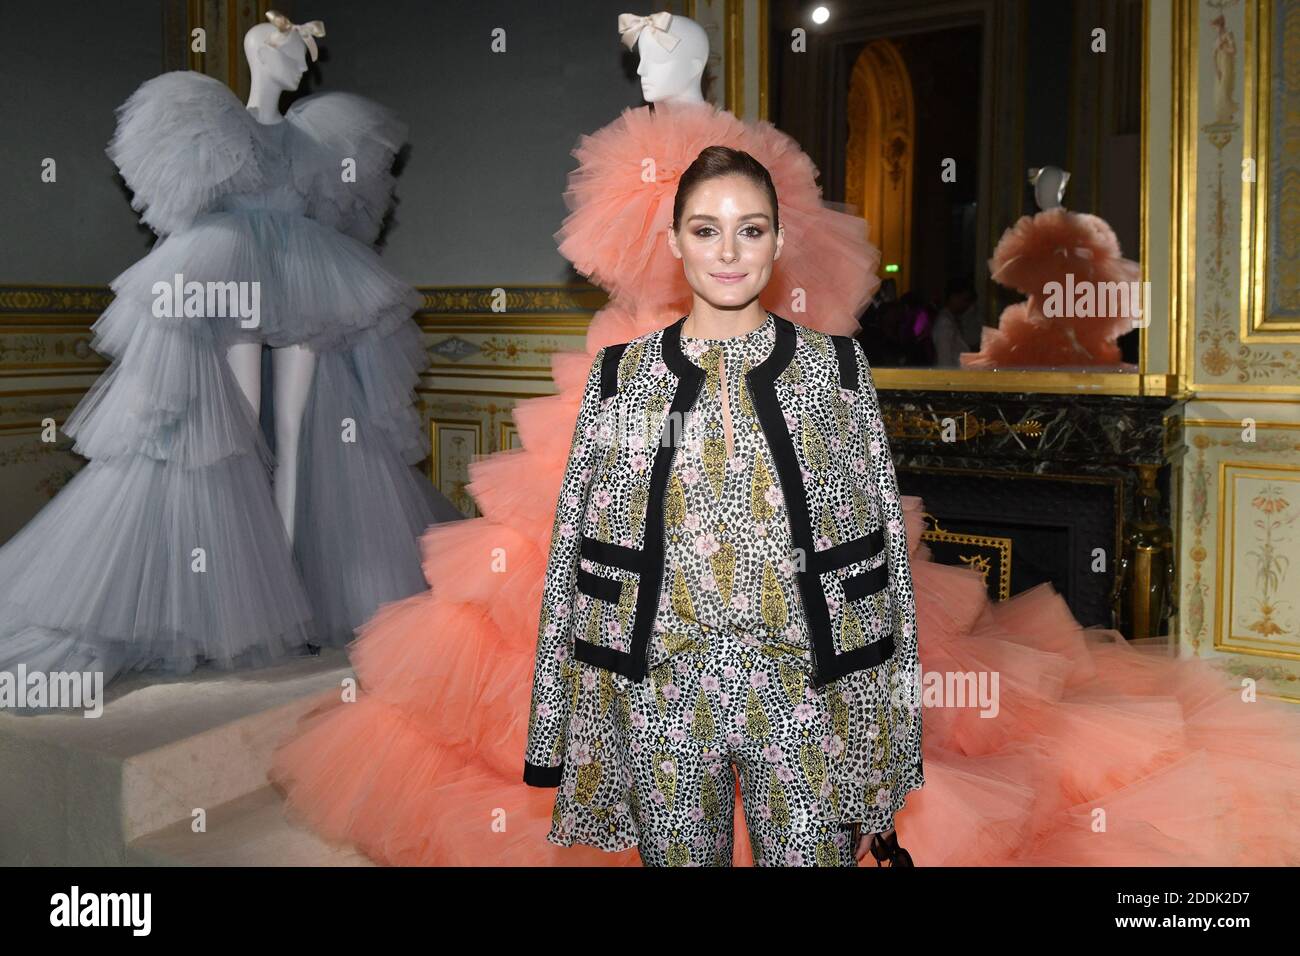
426,766
1065,330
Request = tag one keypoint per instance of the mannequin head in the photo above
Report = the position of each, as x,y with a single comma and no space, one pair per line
1049,186
725,223
279,67
667,75
277,59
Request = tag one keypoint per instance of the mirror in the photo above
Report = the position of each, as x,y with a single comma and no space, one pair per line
941,116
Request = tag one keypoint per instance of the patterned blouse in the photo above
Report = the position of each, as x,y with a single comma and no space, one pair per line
728,548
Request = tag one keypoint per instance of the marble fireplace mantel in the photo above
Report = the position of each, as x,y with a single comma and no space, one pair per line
1052,476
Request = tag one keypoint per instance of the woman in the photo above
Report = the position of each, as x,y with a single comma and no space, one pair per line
728,583
422,768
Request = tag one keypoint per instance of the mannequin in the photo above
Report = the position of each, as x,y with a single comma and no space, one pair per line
277,67
1045,251
1049,186
673,52
419,798
1079,723
184,541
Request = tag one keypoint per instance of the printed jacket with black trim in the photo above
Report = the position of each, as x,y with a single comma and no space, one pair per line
818,410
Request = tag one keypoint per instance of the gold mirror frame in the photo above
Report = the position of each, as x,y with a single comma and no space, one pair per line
1165,56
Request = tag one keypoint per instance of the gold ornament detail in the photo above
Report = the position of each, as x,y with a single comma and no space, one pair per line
814,446
679,854
675,643
723,562
661,675
710,802
777,802
703,727
710,361
588,781
826,854
775,613
746,401
630,363
675,503
828,526
636,508
839,713
794,681
714,454
812,760
851,631
759,506
757,724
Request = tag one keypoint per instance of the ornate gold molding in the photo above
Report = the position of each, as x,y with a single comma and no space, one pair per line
916,426
976,562
878,165
1213,264
1258,323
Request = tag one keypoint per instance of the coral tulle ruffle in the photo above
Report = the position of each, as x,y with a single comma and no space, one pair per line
1043,249
426,766
1095,752
1087,729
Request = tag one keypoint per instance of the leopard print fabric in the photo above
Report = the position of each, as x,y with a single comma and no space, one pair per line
581,715
729,558
707,714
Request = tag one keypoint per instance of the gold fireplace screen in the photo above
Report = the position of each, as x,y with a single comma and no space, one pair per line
987,554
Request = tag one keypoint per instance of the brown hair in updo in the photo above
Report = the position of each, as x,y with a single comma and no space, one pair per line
716,161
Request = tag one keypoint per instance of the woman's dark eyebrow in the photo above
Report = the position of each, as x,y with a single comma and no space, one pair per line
752,215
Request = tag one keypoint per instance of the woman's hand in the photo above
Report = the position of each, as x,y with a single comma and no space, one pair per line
864,845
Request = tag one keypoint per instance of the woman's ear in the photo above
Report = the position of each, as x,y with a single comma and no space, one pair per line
672,243
780,241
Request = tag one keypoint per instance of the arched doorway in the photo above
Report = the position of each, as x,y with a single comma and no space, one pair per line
880,154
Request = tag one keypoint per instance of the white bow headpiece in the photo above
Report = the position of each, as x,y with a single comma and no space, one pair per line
308,31
630,26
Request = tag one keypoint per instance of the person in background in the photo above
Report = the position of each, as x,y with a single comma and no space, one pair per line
917,324
953,326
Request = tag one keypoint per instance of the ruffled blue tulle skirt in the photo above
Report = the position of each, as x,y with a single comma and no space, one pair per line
167,551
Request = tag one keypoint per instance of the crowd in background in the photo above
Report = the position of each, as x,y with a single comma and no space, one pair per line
908,330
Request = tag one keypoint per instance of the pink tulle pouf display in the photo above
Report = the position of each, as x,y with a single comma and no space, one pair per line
1083,295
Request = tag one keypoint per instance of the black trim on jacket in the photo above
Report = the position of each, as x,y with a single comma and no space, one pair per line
648,563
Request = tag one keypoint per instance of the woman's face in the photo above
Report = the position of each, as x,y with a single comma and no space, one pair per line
726,241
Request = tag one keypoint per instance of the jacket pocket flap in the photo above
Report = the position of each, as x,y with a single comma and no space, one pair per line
867,582
850,552
613,555
605,589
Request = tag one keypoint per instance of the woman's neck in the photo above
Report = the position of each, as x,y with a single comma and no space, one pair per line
707,322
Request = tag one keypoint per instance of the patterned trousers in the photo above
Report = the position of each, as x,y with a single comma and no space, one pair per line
703,716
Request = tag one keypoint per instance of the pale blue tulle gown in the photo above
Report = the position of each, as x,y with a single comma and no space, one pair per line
166,550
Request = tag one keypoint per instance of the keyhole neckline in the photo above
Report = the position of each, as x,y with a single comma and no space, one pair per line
743,336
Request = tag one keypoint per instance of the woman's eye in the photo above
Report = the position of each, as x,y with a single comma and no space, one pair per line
750,232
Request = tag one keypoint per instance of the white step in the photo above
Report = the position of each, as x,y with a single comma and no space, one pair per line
76,791
250,831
